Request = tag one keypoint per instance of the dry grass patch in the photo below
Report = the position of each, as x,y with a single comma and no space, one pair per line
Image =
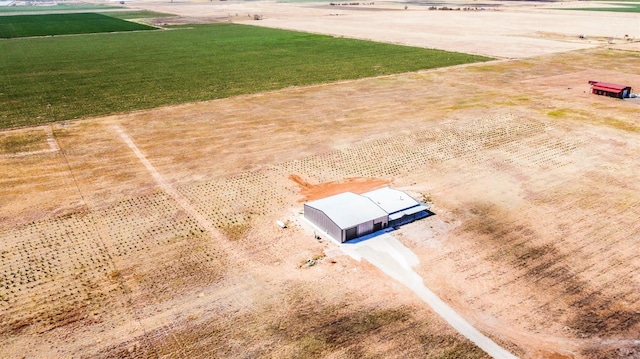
23,141
621,125
236,231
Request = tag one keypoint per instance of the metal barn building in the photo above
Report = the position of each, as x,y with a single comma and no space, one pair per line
611,90
348,215
400,206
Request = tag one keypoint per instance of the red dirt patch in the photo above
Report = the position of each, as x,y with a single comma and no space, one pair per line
353,184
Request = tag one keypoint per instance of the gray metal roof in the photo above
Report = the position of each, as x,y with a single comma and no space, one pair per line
408,212
391,200
348,209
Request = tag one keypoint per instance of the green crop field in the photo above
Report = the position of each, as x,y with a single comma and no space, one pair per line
137,14
63,24
58,78
56,8
622,7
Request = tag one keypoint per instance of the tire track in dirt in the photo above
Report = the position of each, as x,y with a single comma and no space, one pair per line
186,205
184,202
172,192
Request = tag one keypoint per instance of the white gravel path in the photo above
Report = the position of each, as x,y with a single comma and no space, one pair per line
394,259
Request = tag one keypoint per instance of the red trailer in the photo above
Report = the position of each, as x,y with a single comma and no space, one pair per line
611,90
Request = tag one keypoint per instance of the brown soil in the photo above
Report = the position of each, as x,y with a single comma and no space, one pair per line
356,185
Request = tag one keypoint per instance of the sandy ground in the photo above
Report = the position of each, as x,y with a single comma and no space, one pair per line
532,179
501,29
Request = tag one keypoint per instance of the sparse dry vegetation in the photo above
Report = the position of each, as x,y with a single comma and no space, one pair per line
534,182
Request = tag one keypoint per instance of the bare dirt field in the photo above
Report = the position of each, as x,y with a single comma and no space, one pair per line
167,246
502,29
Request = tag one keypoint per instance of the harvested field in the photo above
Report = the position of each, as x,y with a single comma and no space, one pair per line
533,182
499,29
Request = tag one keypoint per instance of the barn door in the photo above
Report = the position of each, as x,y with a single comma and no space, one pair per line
351,233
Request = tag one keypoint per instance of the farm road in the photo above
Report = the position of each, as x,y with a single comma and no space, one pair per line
394,259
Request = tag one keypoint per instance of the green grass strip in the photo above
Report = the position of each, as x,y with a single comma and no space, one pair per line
59,78
137,14
633,8
63,24
56,8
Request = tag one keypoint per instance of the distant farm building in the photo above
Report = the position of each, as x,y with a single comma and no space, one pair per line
611,90
347,216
